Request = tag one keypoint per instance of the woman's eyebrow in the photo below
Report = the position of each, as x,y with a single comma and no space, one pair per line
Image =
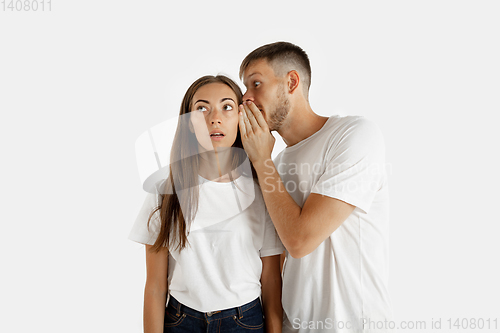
201,100
226,98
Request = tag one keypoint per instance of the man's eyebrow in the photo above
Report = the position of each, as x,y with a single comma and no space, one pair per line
253,74
249,76
201,100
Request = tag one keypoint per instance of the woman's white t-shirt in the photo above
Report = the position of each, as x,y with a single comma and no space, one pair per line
221,267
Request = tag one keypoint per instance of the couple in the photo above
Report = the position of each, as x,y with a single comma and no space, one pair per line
216,228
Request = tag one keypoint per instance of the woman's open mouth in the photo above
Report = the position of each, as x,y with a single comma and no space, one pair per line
217,136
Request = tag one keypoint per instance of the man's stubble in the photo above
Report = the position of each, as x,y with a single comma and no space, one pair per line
277,118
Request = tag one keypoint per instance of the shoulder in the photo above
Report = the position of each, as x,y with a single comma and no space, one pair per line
151,200
354,129
278,157
363,124
347,124
354,137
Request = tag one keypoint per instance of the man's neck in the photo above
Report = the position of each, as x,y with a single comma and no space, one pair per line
300,124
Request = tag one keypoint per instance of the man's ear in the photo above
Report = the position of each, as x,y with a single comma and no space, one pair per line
293,81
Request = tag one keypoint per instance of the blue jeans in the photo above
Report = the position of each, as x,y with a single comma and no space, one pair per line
245,318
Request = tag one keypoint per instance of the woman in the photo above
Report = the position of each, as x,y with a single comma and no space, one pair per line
213,240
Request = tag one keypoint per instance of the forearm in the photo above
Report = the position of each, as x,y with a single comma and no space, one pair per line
154,310
271,301
283,210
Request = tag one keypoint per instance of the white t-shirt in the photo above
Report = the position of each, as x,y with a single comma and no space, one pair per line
221,266
345,278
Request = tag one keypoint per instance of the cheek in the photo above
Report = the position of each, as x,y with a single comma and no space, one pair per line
232,125
199,125
203,119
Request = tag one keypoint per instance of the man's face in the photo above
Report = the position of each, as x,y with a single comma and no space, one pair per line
267,92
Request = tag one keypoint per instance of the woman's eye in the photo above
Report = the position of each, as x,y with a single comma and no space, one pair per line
256,83
227,107
201,108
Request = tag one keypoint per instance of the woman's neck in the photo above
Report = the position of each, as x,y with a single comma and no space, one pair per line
216,165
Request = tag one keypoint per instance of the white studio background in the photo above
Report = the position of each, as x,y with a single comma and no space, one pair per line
80,83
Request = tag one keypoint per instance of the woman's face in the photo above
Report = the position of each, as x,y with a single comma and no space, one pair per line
214,116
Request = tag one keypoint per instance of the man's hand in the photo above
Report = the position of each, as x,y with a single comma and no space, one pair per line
301,229
255,135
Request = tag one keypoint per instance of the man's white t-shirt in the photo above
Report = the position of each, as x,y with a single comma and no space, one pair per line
345,279
221,266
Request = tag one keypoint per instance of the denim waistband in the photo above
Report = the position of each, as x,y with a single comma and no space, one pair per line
212,315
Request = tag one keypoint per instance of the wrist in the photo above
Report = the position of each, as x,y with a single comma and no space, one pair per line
264,166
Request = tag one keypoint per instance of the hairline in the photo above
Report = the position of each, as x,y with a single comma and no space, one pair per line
274,64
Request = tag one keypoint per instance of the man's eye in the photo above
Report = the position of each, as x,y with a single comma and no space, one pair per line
256,83
228,107
201,108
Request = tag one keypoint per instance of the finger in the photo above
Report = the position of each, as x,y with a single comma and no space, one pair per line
258,115
241,121
248,125
251,117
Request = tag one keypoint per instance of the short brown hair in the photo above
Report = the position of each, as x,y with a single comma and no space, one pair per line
282,57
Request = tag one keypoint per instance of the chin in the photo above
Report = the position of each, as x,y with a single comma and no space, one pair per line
220,145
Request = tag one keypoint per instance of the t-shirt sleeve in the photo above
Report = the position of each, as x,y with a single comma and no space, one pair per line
355,167
272,243
140,232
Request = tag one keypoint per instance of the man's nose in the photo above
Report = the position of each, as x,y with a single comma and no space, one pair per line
248,97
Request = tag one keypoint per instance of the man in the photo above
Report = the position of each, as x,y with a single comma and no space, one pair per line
326,193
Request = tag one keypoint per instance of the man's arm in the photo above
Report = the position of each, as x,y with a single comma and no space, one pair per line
301,230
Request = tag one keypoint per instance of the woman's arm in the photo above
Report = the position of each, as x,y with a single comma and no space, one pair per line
155,292
271,293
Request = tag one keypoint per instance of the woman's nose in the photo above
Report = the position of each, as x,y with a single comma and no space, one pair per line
215,117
